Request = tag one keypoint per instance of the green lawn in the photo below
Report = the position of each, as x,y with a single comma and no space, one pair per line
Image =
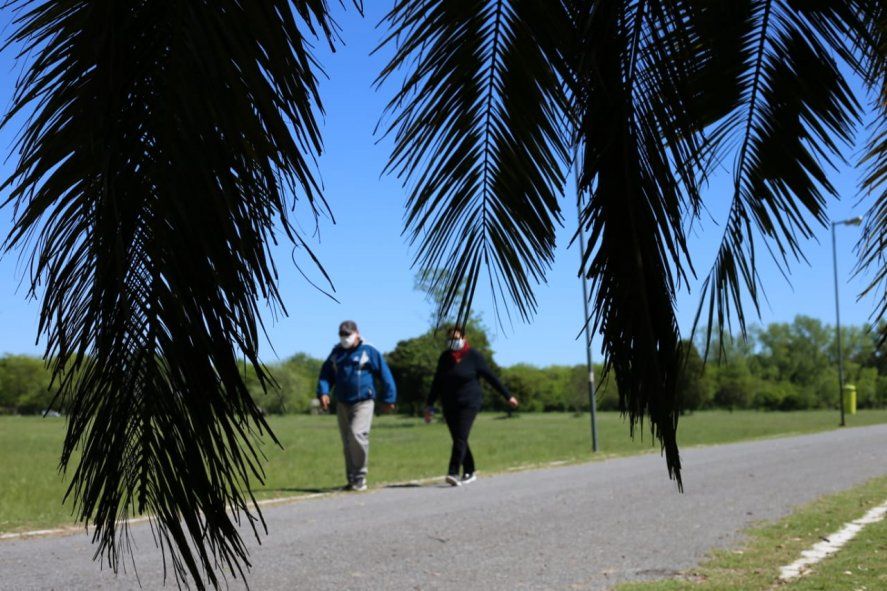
401,449
860,565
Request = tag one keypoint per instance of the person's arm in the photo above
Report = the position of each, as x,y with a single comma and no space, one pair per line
326,381
434,392
383,372
484,371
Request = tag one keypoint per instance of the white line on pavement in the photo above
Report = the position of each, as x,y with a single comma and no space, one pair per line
831,544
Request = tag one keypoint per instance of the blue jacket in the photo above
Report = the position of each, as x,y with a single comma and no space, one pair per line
351,371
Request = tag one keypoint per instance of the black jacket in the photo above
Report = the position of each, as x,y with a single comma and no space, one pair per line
456,384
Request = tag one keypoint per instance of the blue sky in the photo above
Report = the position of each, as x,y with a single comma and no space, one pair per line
370,262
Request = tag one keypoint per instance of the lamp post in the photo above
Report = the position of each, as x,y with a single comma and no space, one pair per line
591,393
851,222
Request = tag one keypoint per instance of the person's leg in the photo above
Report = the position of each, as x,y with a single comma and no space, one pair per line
468,462
456,425
361,421
342,413
467,422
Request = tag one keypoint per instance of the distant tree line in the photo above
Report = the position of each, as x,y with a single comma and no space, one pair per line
785,366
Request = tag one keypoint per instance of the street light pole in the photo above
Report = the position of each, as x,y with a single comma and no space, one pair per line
851,222
592,403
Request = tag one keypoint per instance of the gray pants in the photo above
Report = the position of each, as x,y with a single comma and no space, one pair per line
354,426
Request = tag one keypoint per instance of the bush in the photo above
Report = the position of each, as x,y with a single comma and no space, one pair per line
293,388
522,381
734,387
607,394
866,381
694,389
768,396
881,392
413,363
24,385
793,398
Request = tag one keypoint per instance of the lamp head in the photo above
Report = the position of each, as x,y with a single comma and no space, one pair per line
851,222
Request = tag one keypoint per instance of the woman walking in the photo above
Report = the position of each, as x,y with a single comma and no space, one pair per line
456,384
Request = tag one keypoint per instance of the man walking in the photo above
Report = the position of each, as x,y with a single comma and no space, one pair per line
350,369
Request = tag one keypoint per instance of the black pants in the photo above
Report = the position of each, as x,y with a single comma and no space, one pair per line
459,420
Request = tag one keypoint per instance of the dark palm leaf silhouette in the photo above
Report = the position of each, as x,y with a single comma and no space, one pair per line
164,141
479,131
634,106
792,114
657,93
872,246
166,137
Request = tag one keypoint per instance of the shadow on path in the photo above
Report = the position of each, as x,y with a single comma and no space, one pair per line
329,489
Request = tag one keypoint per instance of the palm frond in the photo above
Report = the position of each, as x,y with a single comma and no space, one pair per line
793,115
478,138
165,144
633,82
872,246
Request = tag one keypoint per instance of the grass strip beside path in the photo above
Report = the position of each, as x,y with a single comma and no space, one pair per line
861,565
401,449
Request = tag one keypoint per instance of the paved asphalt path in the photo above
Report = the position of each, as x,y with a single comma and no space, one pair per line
570,527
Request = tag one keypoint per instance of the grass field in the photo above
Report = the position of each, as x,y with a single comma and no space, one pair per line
31,488
861,565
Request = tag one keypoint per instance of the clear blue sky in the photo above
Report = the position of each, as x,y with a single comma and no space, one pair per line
369,260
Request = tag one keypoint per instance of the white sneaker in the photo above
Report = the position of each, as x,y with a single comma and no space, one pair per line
468,478
358,486
452,480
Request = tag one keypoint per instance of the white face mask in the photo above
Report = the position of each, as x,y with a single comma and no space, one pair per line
456,344
348,341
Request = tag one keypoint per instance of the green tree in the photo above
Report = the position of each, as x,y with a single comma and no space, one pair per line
577,388
796,352
607,394
553,388
165,144
866,381
291,390
734,387
525,381
24,385
413,362
824,390
694,388
877,351
298,381
768,396
881,392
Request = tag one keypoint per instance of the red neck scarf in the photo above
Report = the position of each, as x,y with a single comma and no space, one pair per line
459,354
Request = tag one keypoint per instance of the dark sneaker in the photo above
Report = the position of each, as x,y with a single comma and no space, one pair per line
468,478
453,480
